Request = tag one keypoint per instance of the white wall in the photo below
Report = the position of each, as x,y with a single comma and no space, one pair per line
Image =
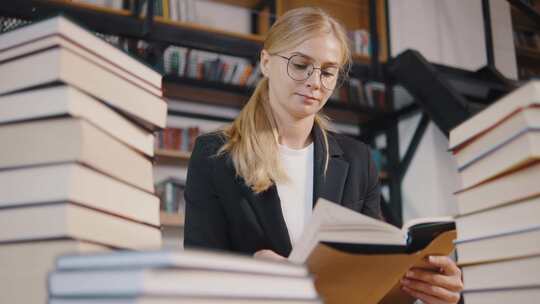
449,32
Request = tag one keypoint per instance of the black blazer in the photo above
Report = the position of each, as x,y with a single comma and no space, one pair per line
223,213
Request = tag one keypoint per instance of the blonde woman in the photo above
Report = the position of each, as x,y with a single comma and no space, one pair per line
251,188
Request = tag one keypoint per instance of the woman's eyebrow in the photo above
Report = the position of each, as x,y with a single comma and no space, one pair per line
329,63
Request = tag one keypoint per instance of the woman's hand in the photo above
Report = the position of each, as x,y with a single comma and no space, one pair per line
269,254
432,286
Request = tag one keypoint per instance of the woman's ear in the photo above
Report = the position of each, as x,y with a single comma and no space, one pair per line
265,62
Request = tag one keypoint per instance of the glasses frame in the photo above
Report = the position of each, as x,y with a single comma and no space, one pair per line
309,75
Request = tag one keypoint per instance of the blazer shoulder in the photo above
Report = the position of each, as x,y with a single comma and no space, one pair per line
209,143
350,146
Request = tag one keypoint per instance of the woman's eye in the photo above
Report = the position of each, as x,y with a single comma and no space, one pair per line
300,66
328,74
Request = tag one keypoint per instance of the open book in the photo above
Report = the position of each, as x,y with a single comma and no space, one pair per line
358,259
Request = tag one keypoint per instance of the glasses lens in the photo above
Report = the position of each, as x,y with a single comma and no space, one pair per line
329,77
299,68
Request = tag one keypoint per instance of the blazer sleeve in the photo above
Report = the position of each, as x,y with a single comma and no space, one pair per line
205,221
372,199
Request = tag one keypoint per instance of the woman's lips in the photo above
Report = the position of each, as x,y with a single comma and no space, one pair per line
309,99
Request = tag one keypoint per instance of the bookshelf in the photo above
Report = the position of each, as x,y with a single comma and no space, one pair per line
171,219
163,32
219,94
171,157
527,42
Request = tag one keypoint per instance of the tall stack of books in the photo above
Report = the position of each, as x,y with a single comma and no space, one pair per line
77,118
167,277
498,153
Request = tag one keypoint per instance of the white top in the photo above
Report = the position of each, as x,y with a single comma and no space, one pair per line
296,195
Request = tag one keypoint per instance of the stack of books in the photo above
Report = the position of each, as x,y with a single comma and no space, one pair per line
77,117
498,153
167,277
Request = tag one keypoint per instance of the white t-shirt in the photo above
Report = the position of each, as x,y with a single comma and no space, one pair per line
296,195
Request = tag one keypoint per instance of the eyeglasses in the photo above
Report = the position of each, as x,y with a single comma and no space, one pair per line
300,68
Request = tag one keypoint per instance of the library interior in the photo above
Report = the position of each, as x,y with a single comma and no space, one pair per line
269,151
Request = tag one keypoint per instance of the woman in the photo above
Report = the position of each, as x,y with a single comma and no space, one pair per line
251,188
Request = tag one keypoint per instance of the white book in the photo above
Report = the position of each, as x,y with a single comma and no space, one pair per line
67,220
85,40
73,140
178,282
504,274
181,259
525,295
178,300
503,246
67,101
58,40
499,220
513,186
467,131
517,152
62,65
76,183
522,121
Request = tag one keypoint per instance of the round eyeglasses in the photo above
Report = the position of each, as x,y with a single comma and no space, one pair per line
300,68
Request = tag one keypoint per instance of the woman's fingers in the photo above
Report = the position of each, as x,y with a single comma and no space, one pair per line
451,282
434,293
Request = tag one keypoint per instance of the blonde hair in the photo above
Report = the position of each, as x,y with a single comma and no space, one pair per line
252,139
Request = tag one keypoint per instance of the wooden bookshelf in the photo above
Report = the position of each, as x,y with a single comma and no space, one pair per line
218,94
171,219
171,157
528,57
250,4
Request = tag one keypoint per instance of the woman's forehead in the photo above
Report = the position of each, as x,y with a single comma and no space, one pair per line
324,49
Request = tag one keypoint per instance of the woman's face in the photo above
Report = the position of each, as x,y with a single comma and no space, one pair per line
301,97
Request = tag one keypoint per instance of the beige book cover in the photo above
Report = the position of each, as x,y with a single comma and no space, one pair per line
63,140
67,101
64,66
25,267
67,220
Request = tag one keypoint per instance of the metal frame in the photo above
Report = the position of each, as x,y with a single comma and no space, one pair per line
488,33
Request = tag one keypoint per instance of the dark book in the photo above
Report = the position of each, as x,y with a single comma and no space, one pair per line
358,258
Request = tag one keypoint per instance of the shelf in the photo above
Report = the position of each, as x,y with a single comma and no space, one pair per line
171,219
220,94
251,4
528,52
122,23
171,157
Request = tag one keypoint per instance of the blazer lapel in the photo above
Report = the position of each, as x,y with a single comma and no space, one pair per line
330,185
267,207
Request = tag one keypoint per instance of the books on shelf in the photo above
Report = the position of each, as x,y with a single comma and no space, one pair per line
357,258
214,67
25,266
177,139
180,275
360,42
171,195
499,220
